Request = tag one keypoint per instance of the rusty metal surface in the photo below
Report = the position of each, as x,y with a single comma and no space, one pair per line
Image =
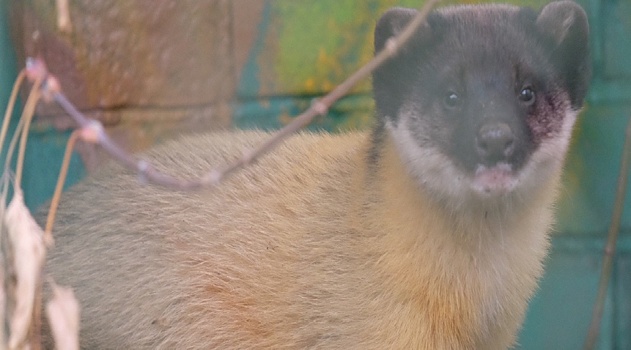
133,53
128,62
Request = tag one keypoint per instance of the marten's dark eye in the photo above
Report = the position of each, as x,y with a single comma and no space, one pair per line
452,100
527,95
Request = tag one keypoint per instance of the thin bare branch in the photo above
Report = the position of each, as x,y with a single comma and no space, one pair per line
214,177
33,96
9,111
612,239
27,117
63,16
61,180
143,168
3,304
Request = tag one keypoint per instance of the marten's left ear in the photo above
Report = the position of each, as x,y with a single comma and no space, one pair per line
392,24
564,25
389,80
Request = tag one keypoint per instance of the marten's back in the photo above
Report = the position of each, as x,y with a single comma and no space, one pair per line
230,267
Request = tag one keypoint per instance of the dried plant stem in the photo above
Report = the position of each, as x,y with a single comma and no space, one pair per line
319,107
145,169
610,248
63,16
27,117
3,305
9,111
35,338
19,128
61,179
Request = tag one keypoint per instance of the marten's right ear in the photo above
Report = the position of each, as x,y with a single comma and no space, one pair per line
393,22
564,24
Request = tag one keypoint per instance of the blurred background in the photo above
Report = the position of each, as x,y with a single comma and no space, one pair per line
150,70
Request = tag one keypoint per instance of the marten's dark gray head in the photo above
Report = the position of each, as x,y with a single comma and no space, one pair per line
483,99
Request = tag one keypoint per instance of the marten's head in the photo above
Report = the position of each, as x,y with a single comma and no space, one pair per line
481,102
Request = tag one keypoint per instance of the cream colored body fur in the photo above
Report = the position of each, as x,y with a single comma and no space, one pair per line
312,247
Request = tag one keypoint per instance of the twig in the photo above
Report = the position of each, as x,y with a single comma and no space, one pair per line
21,124
319,107
61,179
27,116
9,111
63,16
142,167
35,338
610,248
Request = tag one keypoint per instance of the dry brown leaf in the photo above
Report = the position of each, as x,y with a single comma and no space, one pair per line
63,316
28,257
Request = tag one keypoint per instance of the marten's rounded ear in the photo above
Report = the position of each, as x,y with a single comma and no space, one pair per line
393,22
389,80
564,24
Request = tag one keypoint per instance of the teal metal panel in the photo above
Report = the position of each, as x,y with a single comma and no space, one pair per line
623,301
7,59
616,39
45,150
592,172
611,41
7,69
559,314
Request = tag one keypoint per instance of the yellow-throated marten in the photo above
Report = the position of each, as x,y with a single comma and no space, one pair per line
427,233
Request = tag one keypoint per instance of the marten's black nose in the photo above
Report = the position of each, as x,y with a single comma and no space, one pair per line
495,142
